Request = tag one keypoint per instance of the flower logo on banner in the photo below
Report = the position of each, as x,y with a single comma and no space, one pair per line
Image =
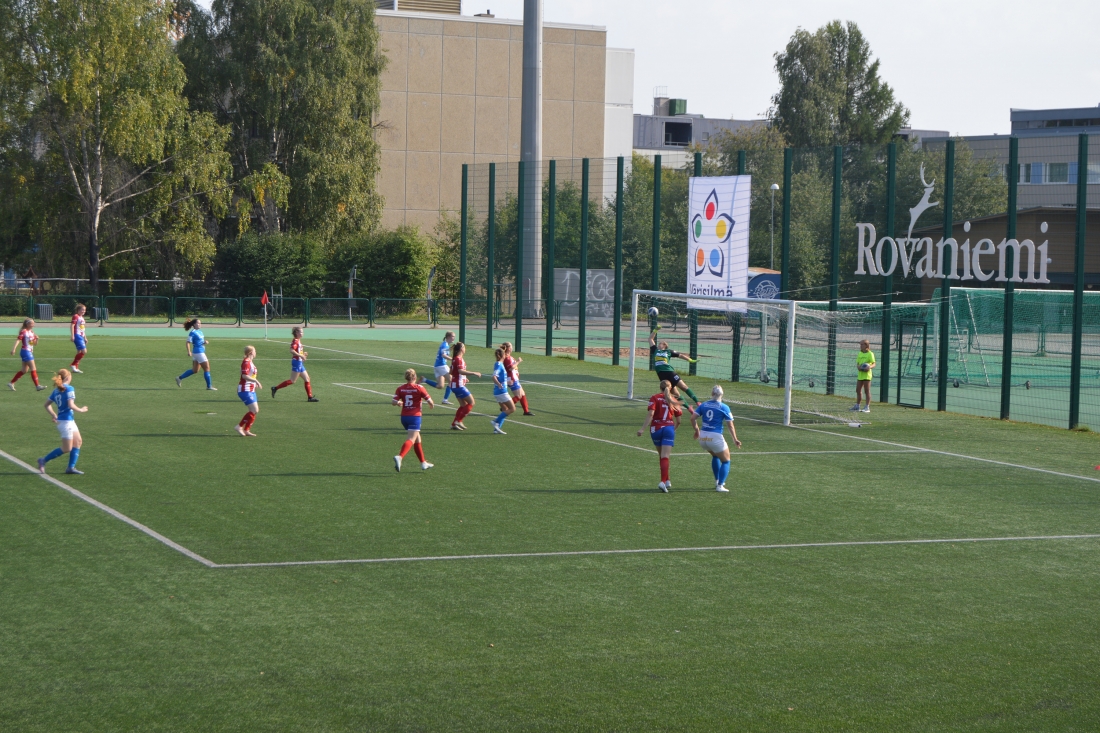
712,228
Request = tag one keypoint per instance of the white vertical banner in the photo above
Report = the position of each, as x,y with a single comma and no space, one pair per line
718,240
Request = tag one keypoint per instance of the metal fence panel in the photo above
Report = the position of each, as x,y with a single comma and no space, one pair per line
137,309
279,310
336,311
215,311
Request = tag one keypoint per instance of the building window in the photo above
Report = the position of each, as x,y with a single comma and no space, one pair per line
1058,173
678,134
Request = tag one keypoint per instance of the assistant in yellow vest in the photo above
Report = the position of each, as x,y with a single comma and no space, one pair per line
865,364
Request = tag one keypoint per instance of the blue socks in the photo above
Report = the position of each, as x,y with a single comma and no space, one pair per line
208,380
723,472
55,453
431,383
187,374
500,419
715,466
74,455
447,392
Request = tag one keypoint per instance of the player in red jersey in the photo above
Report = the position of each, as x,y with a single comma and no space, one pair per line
25,342
246,390
297,366
78,337
458,385
409,396
662,419
511,365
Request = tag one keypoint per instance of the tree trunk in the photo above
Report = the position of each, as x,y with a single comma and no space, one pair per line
93,256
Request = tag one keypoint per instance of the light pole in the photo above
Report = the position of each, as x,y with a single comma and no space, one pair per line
771,260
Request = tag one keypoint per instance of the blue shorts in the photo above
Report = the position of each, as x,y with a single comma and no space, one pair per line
663,436
515,386
81,343
26,355
410,422
296,365
249,398
460,392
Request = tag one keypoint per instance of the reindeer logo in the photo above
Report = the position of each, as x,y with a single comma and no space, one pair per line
924,205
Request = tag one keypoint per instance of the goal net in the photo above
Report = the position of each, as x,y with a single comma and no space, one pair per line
789,376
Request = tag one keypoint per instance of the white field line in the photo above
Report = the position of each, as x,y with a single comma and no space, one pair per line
529,425
812,430
803,452
719,548
113,512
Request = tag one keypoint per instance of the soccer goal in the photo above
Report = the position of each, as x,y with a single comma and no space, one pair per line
800,356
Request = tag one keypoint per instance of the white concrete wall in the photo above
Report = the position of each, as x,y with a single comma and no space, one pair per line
619,110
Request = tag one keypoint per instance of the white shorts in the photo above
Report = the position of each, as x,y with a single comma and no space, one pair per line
442,371
713,442
199,358
502,398
68,429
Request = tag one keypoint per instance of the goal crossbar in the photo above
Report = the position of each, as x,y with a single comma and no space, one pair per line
789,356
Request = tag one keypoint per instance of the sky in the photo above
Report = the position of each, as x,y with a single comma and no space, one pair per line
958,65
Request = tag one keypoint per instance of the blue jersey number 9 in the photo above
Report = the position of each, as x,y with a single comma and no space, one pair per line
710,414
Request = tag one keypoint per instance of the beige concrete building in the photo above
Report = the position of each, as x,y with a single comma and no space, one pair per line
451,95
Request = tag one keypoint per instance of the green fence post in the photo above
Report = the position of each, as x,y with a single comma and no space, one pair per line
888,280
172,312
655,277
735,369
1079,280
518,345
490,268
240,312
616,336
784,261
370,312
834,268
945,287
693,316
582,307
1010,287
462,253
552,216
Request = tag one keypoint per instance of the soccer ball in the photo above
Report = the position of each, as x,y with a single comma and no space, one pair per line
653,312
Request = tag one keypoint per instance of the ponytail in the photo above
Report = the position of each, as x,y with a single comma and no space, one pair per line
189,324
61,377
499,353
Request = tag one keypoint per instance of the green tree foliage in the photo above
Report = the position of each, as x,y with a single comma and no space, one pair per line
830,90
252,263
297,81
389,264
114,161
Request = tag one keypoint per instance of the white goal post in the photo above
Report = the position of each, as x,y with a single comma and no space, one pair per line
761,304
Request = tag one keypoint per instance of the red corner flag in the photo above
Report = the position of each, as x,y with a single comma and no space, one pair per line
264,300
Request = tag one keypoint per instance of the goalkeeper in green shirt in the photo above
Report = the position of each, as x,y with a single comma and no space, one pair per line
662,357
865,363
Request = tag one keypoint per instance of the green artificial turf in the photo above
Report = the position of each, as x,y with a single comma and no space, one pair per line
103,628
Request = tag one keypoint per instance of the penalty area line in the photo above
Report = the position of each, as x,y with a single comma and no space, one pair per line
113,512
656,550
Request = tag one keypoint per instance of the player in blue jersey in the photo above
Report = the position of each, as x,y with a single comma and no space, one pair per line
709,419
501,394
196,349
63,398
442,367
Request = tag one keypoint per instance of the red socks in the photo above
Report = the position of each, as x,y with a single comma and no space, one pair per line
405,448
418,447
247,420
34,376
17,377
309,390
523,401
664,469
287,383
463,411
76,360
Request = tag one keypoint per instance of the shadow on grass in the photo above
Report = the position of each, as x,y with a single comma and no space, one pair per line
555,378
609,491
323,475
